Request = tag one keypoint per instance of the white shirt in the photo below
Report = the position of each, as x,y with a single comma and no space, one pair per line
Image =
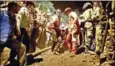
73,15
54,18
23,17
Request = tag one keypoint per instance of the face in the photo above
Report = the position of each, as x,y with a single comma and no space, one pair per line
58,13
96,4
67,13
30,8
16,9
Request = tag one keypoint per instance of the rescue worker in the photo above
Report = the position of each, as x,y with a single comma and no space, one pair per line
98,24
25,18
54,30
50,29
12,42
34,28
73,30
87,18
56,20
110,40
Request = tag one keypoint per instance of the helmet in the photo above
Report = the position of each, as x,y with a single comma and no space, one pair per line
67,9
87,5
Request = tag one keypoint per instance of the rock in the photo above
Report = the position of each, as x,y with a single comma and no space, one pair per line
84,61
97,60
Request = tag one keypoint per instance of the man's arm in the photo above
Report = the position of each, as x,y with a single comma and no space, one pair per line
18,16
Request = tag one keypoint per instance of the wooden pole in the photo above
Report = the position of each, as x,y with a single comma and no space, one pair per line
41,51
106,27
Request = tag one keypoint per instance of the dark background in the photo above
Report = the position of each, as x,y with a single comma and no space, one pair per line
73,4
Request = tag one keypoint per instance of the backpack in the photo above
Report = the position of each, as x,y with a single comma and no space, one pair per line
5,27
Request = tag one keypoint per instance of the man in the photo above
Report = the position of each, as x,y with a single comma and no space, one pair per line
56,19
99,25
4,30
25,19
73,30
88,26
12,42
53,28
110,40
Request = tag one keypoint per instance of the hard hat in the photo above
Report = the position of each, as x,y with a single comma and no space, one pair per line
86,5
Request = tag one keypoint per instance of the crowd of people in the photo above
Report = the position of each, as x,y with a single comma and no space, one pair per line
23,26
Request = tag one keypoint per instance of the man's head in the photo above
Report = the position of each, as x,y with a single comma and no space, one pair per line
97,3
30,5
13,6
67,11
58,12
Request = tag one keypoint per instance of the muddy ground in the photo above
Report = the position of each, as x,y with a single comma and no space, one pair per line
48,58
66,59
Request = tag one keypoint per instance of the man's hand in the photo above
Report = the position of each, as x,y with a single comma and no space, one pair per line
14,37
18,33
27,29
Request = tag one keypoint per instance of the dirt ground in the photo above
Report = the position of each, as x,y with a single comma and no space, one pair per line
65,59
